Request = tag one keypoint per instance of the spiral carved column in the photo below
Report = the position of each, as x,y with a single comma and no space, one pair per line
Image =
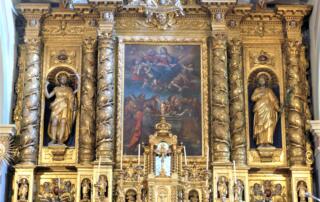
220,101
237,113
31,102
88,91
295,114
105,98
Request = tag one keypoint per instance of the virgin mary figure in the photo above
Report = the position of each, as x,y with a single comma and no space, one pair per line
265,110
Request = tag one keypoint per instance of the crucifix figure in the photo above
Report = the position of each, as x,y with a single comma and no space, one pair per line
65,4
163,151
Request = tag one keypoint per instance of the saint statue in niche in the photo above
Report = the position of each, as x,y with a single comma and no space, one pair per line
266,108
63,108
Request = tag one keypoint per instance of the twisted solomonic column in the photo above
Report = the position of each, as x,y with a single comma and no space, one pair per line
88,92
31,109
220,101
105,98
295,116
237,113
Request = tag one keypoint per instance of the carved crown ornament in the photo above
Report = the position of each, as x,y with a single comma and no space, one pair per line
160,13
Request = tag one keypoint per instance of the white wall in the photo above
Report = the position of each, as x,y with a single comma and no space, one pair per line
7,62
315,56
7,50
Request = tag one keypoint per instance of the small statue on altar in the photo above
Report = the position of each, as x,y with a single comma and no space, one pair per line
63,108
302,190
102,187
278,194
265,111
85,190
238,191
67,192
131,196
257,194
222,188
194,196
45,193
23,190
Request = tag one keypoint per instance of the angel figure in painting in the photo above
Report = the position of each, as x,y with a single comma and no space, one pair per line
266,108
63,108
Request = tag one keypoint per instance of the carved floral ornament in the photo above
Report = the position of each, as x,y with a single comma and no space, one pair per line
262,58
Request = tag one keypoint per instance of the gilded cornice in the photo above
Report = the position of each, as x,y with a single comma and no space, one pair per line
293,16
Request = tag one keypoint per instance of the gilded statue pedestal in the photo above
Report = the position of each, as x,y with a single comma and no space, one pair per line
266,153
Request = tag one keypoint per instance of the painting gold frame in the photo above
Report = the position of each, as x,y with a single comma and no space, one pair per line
120,90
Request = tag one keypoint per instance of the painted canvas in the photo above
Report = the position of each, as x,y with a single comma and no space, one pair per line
166,77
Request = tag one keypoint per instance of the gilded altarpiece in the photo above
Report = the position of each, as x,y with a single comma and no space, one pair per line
162,101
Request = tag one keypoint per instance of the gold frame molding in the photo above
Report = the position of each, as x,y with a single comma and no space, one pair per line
123,40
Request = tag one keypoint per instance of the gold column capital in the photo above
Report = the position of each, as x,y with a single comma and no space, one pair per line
218,13
89,44
33,14
293,16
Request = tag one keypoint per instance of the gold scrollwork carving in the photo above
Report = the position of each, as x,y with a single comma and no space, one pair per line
220,101
105,99
17,115
88,89
295,105
237,113
31,110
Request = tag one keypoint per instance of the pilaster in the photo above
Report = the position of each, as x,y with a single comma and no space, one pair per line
315,129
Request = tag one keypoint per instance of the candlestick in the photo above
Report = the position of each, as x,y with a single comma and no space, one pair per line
207,158
139,155
99,165
234,172
121,158
59,184
185,155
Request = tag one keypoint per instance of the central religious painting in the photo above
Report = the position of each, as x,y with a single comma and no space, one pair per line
162,80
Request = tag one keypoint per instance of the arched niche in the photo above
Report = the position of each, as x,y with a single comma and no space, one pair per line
273,84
